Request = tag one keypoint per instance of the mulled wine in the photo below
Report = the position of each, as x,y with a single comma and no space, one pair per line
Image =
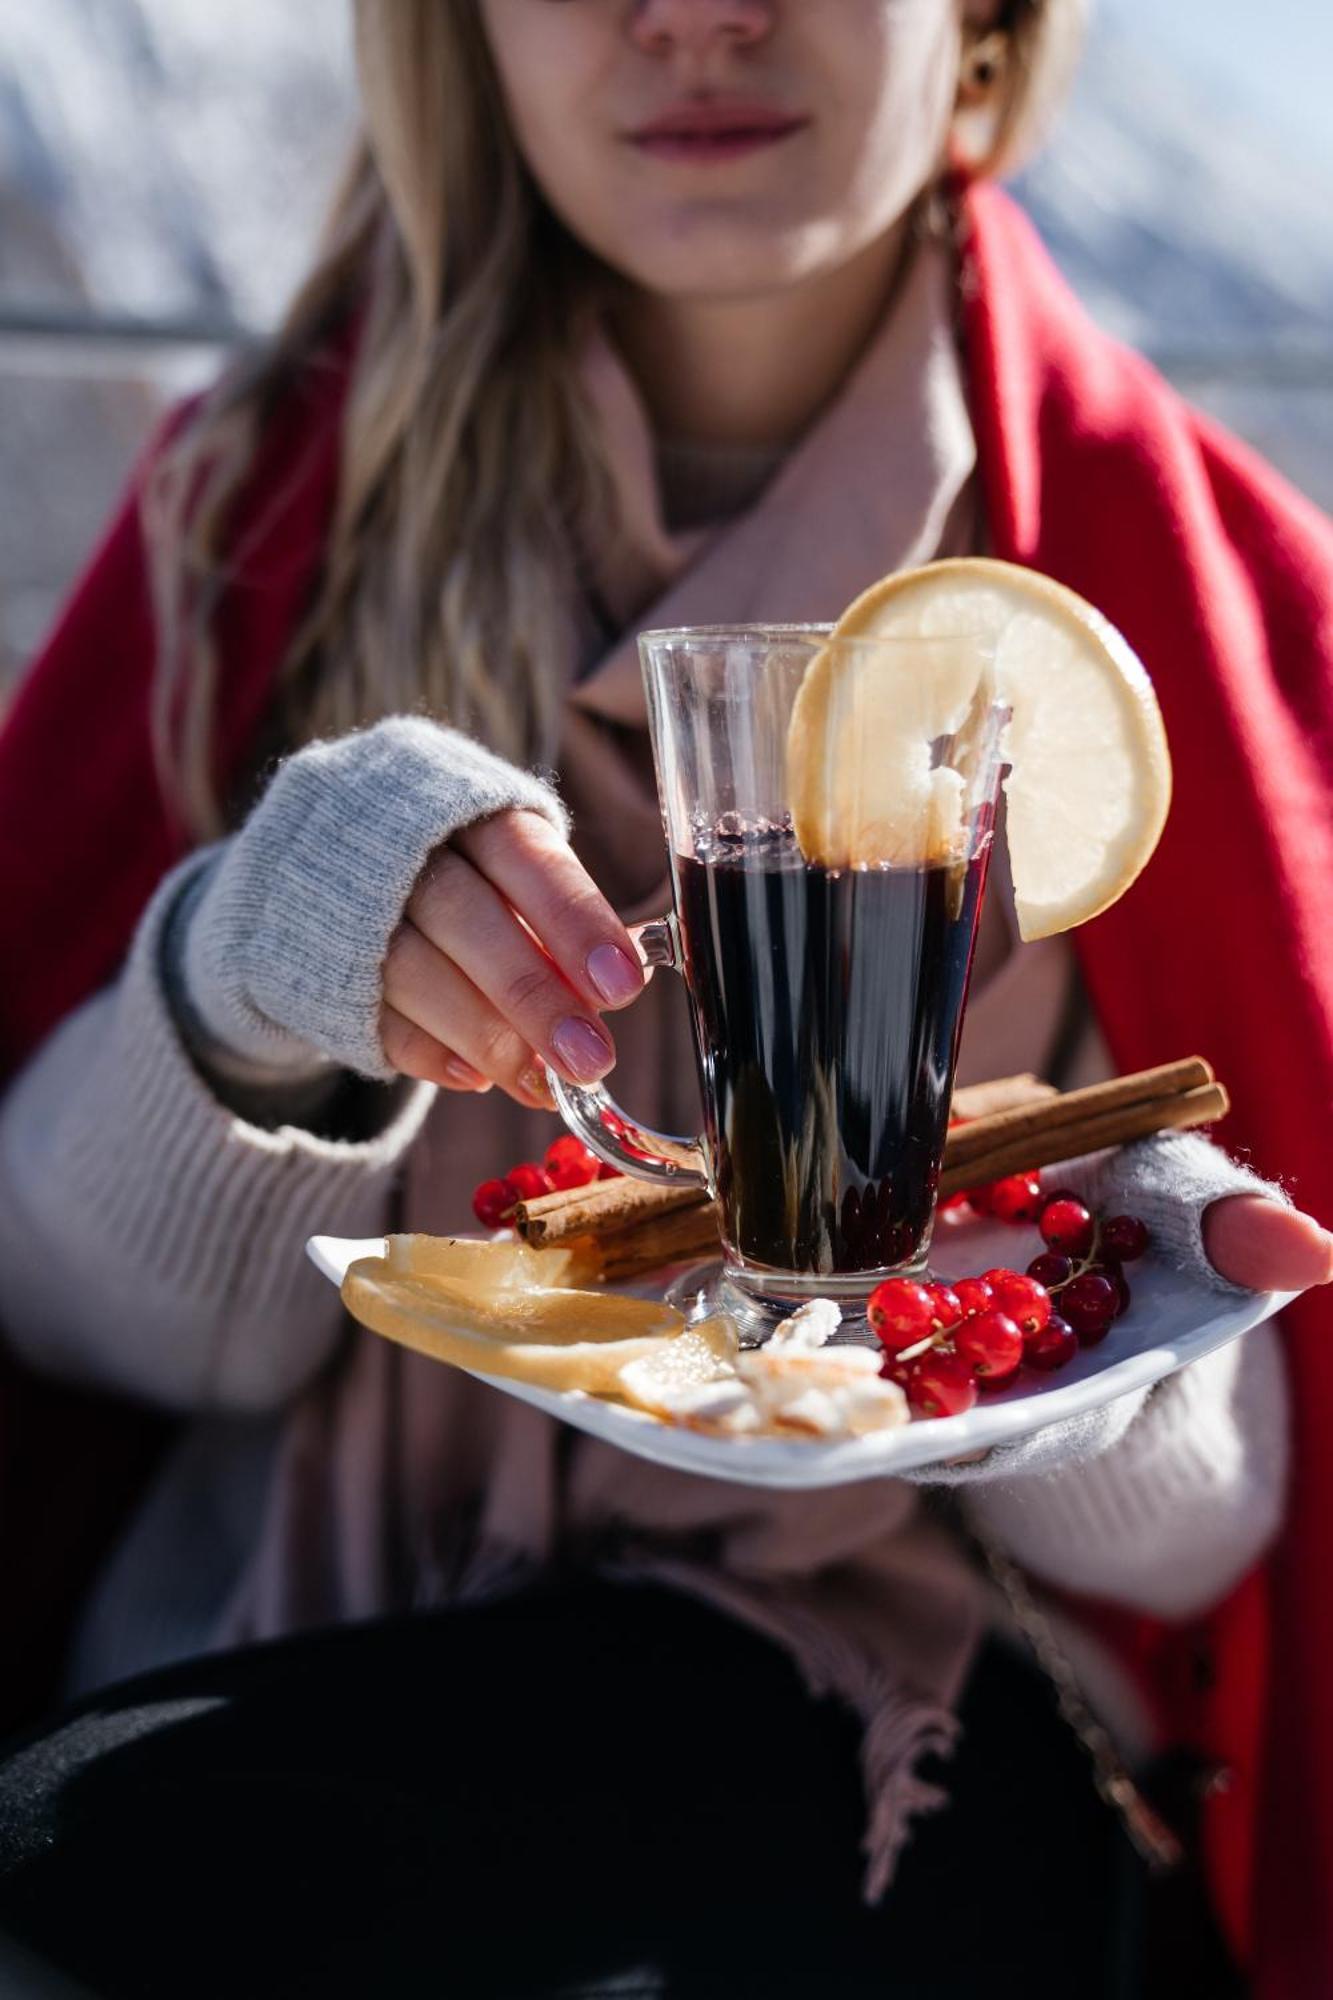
827,1009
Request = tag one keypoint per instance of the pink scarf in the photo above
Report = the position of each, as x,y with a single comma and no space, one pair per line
403,1482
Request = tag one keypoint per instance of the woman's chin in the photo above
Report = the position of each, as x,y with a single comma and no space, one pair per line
712,258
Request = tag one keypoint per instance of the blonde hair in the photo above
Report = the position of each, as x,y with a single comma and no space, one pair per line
471,475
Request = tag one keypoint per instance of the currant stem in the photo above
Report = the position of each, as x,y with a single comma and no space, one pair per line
1088,1262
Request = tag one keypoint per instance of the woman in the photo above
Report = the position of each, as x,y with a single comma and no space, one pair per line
628,314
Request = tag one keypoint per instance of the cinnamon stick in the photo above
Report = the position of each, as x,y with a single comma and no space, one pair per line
1002,1093
606,1206
691,1232
1074,1107
1043,1146
602,1207
635,1225
685,1233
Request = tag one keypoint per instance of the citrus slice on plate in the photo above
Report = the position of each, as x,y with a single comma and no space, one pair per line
1089,783
506,1265
451,1307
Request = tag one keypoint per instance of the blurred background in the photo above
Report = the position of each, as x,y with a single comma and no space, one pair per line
164,165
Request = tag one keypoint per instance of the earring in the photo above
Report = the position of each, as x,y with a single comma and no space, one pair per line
984,63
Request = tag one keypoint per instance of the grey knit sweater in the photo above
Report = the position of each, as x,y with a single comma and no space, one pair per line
126,1120
287,926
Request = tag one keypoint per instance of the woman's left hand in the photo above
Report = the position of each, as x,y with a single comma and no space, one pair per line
1269,1248
1251,1241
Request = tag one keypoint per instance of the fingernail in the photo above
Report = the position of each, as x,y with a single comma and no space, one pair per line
463,1074
584,1052
614,974
535,1082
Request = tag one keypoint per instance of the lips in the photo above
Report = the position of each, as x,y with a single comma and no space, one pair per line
715,129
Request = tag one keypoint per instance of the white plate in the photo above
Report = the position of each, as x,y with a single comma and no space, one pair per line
1170,1322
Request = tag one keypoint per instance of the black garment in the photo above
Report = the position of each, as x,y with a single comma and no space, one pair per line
595,1790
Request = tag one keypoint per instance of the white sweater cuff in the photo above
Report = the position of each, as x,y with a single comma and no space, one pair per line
152,1241
1162,1499
1188,1500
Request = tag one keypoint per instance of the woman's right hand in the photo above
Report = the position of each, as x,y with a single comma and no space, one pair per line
506,954
402,901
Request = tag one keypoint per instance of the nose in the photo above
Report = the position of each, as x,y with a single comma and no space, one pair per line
662,27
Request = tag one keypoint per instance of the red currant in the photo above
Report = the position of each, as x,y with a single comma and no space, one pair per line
974,1295
1068,1227
1051,1269
493,1203
901,1311
1050,1349
1017,1198
1089,1303
528,1180
948,1307
1106,1267
941,1385
1124,1237
992,1345
606,1172
569,1162
894,1370
1023,1298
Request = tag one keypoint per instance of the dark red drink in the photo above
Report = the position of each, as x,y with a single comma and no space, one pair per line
828,1005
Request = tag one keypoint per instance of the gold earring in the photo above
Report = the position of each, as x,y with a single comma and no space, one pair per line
984,63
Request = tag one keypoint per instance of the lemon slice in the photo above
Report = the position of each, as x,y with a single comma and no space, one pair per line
549,1335
490,1267
1090,779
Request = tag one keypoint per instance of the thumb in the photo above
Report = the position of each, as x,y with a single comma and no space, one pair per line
1269,1248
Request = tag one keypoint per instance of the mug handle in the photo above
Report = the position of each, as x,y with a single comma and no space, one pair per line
593,1115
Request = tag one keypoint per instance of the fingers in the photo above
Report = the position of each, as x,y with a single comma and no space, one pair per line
415,1053
433,1013
471,927
507,953
537,872
1269,1248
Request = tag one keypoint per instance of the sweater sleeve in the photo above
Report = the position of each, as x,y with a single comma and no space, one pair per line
1168,1520
151,1240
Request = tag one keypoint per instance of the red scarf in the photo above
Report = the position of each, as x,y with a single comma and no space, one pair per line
1221,577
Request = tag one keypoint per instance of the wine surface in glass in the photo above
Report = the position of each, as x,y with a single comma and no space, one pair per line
828,1005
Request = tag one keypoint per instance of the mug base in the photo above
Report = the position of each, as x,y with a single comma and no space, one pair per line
707,1289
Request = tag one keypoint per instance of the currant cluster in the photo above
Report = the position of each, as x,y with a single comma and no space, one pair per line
567,1163
943,1344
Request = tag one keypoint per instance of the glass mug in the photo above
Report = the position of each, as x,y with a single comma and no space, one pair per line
826,1004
